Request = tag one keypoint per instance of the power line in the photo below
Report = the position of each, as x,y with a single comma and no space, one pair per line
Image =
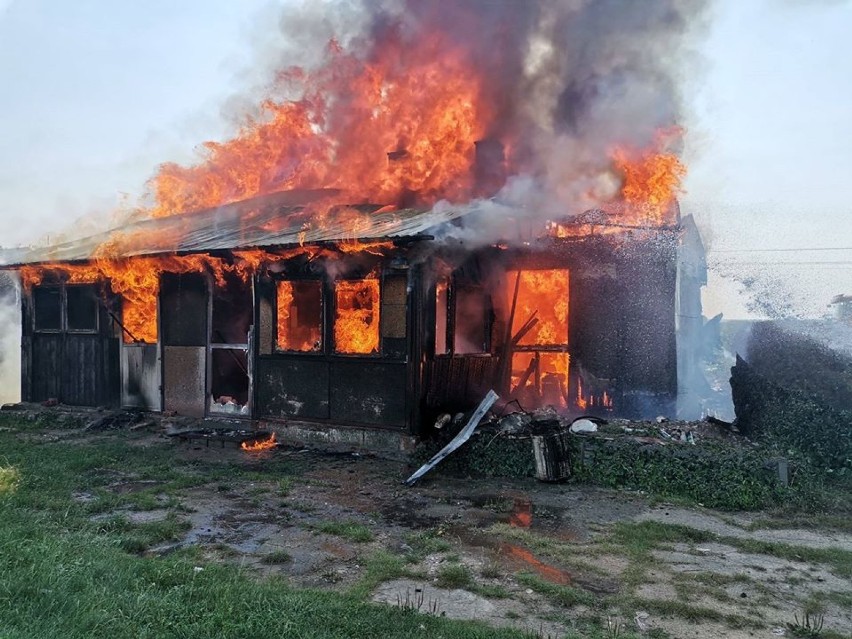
782,250
820,263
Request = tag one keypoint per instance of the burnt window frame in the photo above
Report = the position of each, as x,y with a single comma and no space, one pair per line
213,287
448,326
43,287
323,320
455,282
332,346
62,289
66,314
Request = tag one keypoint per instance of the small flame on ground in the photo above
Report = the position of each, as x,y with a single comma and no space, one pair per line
262,444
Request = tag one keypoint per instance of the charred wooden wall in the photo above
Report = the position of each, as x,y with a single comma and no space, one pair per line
371,390
622,321
647,366
458,382
74,367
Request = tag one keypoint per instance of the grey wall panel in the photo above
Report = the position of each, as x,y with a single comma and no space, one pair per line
184,375
140,376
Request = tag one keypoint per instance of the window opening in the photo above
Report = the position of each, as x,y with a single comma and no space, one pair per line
541,359
299,315
471,320
232,310
47,303
356,321
441,289
82,303
229,381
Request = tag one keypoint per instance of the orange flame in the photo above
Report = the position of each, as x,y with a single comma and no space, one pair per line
299,321
542,299
356,323
137,281
262,444
651,181
422,101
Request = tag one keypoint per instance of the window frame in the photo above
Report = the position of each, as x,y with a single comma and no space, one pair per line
36,328
322,319
333,318
62,288
81,331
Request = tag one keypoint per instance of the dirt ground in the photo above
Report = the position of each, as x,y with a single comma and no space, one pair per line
518,553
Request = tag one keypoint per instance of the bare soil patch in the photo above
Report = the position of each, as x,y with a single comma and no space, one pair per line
529,555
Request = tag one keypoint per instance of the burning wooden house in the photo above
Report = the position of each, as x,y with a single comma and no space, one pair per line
378,317
259,282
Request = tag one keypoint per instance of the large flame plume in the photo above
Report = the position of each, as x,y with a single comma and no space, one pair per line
385,105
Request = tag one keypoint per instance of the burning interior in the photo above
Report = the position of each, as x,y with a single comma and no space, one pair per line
404,234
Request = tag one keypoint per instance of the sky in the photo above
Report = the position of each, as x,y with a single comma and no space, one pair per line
96,94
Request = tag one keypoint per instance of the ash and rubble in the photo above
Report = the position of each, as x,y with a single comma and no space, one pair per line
548,422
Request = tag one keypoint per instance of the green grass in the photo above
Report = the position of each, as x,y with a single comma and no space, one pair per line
9,478
380,567
276,557
137,538
63,575
426,542
491,570
351,530
454,576
637,538
285,485
837,560
566,596
567,554
842,523
489,590
689,612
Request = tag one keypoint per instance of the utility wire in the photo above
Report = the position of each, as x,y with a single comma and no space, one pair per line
781,250
819,263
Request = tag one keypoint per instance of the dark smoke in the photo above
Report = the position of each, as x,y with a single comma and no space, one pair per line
569,79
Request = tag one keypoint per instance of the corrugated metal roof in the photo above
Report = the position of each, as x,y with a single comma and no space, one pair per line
280,219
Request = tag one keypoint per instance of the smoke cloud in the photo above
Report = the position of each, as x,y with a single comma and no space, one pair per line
569,80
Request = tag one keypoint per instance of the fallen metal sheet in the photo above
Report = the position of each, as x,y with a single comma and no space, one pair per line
458,440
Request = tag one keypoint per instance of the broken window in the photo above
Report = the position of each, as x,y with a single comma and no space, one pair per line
299,315
540,378
232,310
82,306
441,345
472,325
356,320
184,299
47,308
540,336
229,380
139,317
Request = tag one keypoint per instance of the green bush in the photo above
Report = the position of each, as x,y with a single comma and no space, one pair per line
792,423
715,475
484,455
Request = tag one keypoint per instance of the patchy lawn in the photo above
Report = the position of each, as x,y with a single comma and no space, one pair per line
132,534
